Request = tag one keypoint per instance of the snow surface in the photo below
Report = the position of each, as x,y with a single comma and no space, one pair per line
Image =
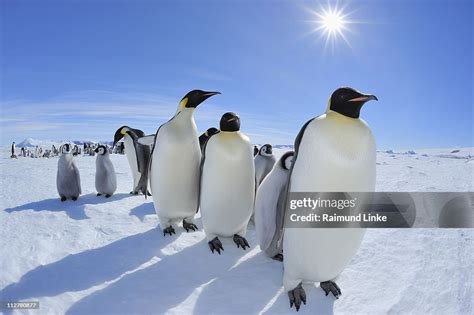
107,256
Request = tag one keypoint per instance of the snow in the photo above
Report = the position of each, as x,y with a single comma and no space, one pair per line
107,256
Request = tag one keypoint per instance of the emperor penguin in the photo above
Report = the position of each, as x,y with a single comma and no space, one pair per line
227,186
334,152
206,135
174,165
255,150
270,207
264,162
138,157
105,177
68,180
13,156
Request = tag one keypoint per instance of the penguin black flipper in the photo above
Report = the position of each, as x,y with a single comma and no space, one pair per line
203,158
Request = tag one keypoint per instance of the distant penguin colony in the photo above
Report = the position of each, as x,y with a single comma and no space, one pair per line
227,185
105,177
68,180
226,178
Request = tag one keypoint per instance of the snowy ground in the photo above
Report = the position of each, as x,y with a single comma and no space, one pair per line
106,256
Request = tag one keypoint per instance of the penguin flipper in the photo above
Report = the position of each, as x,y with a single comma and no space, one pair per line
147,140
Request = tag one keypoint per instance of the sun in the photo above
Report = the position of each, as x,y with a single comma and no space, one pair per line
332,23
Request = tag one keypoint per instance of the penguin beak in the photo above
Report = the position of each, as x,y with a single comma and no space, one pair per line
118,135
96,150
205,95
364,98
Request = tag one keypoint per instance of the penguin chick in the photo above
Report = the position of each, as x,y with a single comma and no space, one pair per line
264,162
68,180
105,177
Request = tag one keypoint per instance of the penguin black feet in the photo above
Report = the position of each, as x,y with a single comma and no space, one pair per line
74,198
134,192
107,196
63,199
148,194
216,245
297,295
99,194
189,226
240,241
278,257
169,230
331,286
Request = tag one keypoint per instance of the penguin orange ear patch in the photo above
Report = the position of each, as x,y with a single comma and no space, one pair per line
184,102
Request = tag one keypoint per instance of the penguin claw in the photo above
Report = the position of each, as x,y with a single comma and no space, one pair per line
169,230
297,295
216,245
63,199
189,226
99,194
241,241
107,196
331,286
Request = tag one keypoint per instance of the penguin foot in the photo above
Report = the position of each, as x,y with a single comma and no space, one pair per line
297,295
63,199
99,194
331,286
148,193
240,241
134,192
216,245
189,226
278,257
107,196
74,198
169,230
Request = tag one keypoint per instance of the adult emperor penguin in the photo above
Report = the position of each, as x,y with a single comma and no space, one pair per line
68,180
206,135
105,177
264,162
174,165
13,156
227,187
334,152
138,157
270,207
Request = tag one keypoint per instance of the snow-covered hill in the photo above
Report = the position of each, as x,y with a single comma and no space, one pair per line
107,256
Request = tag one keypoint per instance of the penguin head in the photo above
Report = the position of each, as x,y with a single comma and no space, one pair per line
266,150
348,101
286,160
101,150
211,131
194,98
66,148
120,133
230,122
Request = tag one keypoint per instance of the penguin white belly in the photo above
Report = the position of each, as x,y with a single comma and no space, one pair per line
174,175
132,159
227,185
266,202
331,157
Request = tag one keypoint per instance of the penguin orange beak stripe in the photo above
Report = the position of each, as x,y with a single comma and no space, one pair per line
364,98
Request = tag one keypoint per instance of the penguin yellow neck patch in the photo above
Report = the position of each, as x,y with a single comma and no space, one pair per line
183,103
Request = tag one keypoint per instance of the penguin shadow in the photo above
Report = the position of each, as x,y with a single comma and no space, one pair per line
246,288
161,286
86,269
316,302
74,209
142,210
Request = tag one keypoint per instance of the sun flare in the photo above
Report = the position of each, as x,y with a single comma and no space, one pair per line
332,23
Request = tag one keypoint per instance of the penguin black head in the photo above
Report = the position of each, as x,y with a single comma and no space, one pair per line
101,149
206,135
122,131
230,122
195,97
348,101
266,149
255,150
286,160
66,148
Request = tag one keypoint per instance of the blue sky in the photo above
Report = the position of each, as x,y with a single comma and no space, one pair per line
80,69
